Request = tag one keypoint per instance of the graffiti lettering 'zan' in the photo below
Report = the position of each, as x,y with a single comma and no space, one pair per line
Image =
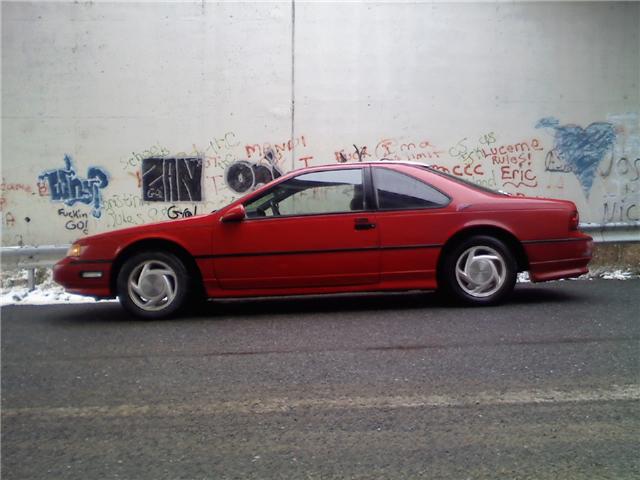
172,179
65,186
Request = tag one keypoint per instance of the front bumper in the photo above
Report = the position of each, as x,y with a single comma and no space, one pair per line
84,277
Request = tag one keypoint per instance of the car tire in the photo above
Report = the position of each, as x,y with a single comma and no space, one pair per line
480,270
153,285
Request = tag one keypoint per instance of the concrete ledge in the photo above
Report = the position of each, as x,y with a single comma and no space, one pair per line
622,255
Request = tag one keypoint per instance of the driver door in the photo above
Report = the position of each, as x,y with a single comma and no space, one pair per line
312,230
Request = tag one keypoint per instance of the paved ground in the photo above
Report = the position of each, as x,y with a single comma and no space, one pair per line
378,386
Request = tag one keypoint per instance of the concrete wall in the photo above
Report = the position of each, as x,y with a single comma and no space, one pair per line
116,114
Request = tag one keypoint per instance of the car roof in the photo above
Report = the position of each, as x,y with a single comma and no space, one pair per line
359,164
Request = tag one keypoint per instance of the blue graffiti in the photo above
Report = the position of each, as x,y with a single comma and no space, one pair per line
65,186
581,149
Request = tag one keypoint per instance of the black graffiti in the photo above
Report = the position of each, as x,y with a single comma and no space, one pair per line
81,225
243,175
172,179
72,213
621,210
552,163
78,220
173,212
623,167
360,153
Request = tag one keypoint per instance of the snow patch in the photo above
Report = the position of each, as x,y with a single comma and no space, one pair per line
40,296
16,292
618,275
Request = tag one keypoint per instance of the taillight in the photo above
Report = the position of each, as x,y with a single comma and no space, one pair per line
574,220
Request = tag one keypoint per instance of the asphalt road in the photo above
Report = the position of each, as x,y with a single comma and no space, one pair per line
375,386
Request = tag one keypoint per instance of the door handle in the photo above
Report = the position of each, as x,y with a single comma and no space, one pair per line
363,224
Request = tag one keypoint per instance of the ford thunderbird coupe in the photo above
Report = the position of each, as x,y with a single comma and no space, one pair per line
378,226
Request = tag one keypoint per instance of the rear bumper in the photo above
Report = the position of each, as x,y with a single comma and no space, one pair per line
69,273
559,258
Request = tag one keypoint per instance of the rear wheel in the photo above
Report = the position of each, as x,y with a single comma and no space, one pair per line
153,284
480,270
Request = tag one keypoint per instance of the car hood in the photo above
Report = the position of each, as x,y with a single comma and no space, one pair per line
163,228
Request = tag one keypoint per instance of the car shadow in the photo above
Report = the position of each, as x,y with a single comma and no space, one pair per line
377,301
112,312
333,303
536,294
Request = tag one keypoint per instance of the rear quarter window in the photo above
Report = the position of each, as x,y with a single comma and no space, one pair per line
399,191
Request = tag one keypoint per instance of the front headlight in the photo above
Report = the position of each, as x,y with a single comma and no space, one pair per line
75,250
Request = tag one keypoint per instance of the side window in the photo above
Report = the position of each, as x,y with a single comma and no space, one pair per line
398,191
312,193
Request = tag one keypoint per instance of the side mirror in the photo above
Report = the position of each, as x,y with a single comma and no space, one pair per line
234,214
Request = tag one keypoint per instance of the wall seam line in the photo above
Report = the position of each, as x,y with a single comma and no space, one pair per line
293,83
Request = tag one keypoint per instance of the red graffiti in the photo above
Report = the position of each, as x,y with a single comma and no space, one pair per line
43,189
306,160
468,170
385,147
392,149
442,168
507,150
260,150
15,187
520,160
517,177
138,178
215,184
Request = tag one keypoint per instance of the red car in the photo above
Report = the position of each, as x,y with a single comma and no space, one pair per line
338,228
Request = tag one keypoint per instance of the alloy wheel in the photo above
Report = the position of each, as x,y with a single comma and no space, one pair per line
152,285
480,271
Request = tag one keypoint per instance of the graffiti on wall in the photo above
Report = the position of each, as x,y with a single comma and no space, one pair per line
174,212
603,157
134,160
390,148
596,165
468,156
9,191
276,149
579,150
129,209
515,162
172,179
621,177
620,174
243,175
64,185
75,220
419,150
358,154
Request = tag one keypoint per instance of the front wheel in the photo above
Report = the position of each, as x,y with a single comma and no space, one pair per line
480,270
153,284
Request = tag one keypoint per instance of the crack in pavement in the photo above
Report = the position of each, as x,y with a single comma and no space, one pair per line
374,348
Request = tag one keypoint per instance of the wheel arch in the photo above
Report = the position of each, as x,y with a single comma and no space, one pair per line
502,234
148,244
